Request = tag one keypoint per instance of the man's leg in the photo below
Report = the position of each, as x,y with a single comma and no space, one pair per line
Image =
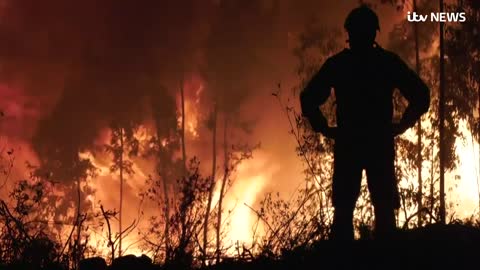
382,185
347,177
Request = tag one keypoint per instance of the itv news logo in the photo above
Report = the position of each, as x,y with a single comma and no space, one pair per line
437,17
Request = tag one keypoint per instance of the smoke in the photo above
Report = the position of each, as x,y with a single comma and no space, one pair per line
69,68
91,61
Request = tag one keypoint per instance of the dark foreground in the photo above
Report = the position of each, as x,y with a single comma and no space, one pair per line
432,247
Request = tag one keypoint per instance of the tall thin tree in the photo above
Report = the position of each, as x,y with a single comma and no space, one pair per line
78,222
212,180
120,210
122,142
167,139
184,150
419,127
222,189
442,118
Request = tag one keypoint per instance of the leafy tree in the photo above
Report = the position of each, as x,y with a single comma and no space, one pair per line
185,218
123,144
231,83
462,48
161,189
24,240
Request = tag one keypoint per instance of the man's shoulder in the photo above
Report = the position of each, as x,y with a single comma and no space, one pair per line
389,56
380,57
339,57
337,61
346,54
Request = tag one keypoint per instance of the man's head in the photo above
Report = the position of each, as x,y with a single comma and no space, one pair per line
362,25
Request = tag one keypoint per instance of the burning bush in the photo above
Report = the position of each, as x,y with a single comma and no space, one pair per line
185,219
24,240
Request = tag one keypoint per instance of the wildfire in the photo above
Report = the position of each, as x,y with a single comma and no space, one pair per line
106,185
250,180
467,187
247,188
462,186
192,107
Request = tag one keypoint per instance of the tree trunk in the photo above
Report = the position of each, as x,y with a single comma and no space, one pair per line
478,140
478,135
162,170
419,129
121,195
475,19
222,189
212,183
167,218
79,225
442,119
184,151
432,184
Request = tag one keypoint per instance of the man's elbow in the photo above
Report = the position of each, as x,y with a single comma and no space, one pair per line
305,102
425,107
423,103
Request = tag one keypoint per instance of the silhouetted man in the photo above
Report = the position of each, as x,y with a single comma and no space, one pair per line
364,78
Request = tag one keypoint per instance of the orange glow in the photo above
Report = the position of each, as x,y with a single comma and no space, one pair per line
466,189
247,189
192,108
252,179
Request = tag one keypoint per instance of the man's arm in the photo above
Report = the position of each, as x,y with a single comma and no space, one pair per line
314,95
417,94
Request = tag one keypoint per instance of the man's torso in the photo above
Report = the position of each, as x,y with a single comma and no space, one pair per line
363,85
